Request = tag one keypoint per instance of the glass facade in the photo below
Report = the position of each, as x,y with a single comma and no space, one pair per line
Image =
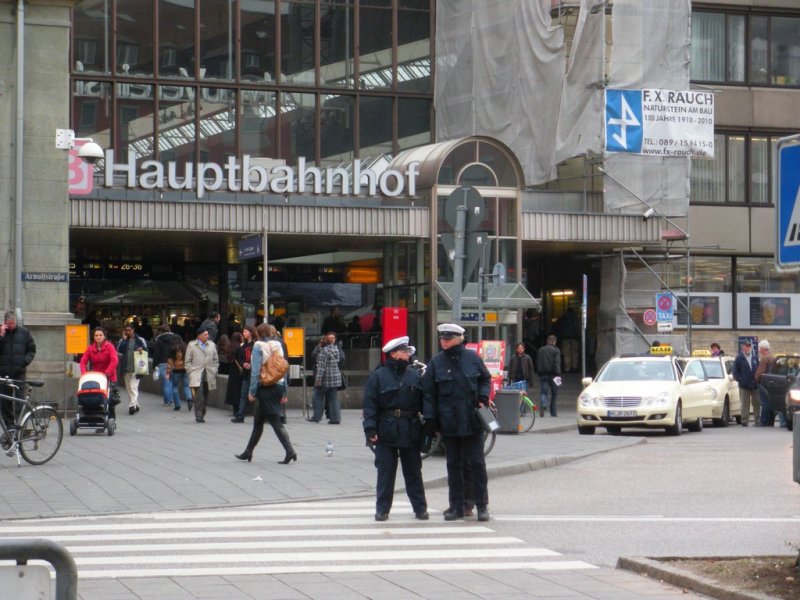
202,80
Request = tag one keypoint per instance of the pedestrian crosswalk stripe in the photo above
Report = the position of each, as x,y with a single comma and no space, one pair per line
335,537
383,542
270,532
483,565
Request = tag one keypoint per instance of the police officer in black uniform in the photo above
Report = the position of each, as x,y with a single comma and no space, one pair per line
392,404
456,383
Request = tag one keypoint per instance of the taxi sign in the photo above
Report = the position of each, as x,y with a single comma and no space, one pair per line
661,350
701,353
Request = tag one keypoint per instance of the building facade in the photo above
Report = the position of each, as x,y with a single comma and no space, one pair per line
314,93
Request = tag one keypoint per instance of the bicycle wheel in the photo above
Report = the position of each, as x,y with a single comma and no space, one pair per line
40,435
527,414
488,442
427,450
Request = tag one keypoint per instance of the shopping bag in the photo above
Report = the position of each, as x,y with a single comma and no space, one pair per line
141,362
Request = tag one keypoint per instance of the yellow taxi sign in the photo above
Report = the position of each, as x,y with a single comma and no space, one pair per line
701,353
661,350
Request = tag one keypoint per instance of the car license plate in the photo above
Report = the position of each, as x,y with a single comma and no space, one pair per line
622,413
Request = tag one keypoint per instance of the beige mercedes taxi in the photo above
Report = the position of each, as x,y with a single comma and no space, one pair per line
646,391
726,404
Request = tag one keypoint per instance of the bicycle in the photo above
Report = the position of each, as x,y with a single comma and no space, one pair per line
38,431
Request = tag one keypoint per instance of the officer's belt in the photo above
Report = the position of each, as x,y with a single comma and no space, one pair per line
398,413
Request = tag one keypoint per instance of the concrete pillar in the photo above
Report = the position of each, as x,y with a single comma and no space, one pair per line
45,305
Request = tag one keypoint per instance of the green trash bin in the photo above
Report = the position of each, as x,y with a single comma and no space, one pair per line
507,403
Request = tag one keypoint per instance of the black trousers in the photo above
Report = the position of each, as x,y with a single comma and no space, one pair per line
466,453
411,463
265,412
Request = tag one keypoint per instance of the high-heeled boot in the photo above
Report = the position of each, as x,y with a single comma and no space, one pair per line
290,456
246,455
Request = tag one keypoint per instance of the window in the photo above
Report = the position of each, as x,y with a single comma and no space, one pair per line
718,47
722,44
739,173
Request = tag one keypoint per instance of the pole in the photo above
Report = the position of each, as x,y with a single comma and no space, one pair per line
584,314
264,254
458,260
480,303
20,188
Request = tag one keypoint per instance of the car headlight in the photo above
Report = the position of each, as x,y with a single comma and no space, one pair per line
660,399
794,396
589,400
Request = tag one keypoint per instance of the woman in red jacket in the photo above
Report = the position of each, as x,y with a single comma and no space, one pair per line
102,356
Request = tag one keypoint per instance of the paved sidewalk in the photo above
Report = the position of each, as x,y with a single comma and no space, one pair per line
161,459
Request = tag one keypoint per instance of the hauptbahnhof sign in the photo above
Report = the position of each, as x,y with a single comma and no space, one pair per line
247,176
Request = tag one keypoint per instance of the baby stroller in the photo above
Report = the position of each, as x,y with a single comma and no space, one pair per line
93,401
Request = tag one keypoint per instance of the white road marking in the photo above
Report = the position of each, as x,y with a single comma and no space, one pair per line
644,519
335,537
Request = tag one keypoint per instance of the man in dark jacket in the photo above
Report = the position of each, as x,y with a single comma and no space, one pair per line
520,368
744,372
548,365
392,404
161,349
456,384
17,350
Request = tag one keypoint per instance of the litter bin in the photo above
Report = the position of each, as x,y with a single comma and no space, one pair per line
507,403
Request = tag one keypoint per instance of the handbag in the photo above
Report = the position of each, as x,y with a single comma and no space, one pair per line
343,385
141,362
488,420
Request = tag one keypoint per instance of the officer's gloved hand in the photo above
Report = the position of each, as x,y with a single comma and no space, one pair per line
431,427
483,401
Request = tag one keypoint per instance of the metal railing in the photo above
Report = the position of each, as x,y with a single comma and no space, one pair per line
23,550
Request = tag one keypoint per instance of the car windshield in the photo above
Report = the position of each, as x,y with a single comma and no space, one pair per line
637,370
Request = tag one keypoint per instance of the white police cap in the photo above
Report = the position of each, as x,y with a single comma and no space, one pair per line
450,328
400,343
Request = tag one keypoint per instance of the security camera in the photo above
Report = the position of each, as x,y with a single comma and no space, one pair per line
91,152
648,213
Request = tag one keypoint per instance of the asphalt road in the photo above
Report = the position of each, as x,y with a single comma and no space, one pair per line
721,492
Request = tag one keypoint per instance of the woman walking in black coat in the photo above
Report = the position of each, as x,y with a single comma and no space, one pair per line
269,397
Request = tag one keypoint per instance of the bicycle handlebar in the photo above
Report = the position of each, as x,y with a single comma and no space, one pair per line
21,382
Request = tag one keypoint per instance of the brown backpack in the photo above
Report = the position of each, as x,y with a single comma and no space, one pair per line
275,367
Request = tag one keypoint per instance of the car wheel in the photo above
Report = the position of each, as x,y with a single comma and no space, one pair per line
696,425
677,428
73,426
726,416
586,430
613,429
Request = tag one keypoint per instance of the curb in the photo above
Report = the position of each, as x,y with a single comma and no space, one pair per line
685,579
515,468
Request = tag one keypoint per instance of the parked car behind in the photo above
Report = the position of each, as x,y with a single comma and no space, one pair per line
782,376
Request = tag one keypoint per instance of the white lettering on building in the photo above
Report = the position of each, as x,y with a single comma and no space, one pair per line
246,177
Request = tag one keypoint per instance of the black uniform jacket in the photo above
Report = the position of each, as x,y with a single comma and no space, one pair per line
391,389
455,381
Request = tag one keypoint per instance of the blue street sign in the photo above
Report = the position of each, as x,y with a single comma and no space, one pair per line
250,247
787,256
665,307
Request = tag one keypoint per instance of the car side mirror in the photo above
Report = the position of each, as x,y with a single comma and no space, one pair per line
690,379
586,381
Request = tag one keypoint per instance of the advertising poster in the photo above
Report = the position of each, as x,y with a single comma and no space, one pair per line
704,310
770,311
493,354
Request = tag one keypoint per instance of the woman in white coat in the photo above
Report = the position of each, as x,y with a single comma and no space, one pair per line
202,366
